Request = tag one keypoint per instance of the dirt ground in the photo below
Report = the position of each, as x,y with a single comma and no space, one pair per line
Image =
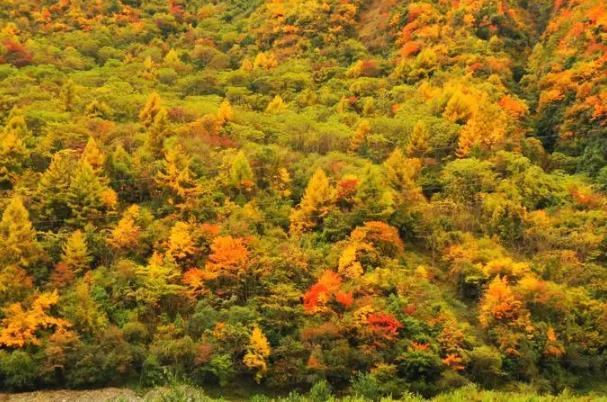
99,395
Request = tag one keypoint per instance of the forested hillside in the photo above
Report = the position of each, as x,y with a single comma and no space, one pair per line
377,196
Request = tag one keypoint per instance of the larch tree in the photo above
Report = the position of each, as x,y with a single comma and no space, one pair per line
97,109
316,203
418,146
17,125
229,258
88,196
258,352
358,140
13,156
401,174
93,155
127,232
276,106
18,244
153,106
175,179
241,174
157,280
157,132
54,184
68,95
13,150
20,326
75,254
181,241
374,198
225,114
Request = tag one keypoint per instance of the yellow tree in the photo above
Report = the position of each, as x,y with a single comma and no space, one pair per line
499,304
225,113
17,125
401,174
93,155
257,354
276,106
315,204
181,241
484,131
229,258
360,136
18,244
75,253
282,181
13,155
176,181
504,315
418,146
158,130
19,326
126,233
150,110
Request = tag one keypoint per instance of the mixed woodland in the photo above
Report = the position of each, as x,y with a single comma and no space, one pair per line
376,197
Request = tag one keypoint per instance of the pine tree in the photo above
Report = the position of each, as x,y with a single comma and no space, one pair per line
315,204
18,244
75,253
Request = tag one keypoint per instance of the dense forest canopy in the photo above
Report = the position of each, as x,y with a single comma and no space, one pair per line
385,196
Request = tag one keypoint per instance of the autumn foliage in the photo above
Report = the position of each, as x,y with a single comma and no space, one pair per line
370,199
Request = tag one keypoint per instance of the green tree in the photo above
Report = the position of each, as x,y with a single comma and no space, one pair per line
241,174
374,199
54,184
88,196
